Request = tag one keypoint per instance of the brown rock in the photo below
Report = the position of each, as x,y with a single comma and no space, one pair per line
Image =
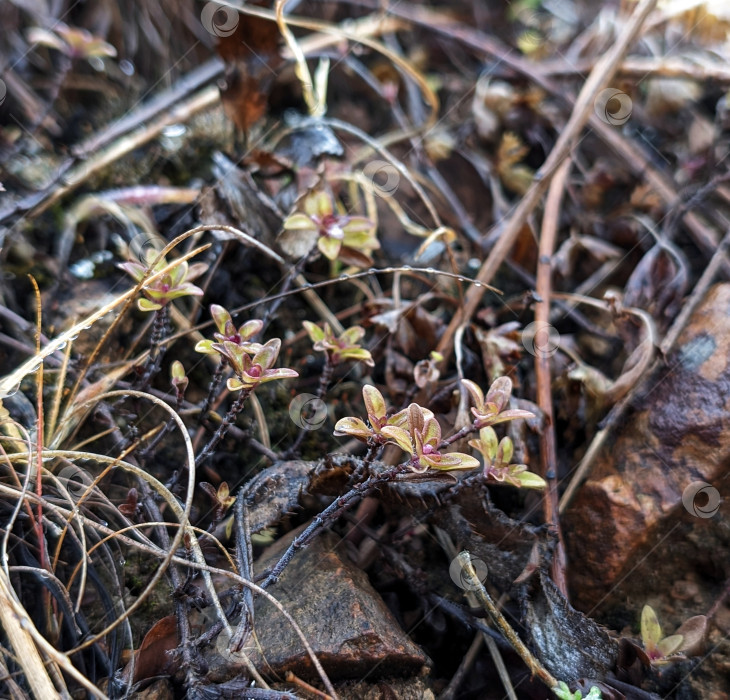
628,525
349,627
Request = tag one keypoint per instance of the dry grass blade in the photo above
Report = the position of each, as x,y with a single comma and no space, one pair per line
599,77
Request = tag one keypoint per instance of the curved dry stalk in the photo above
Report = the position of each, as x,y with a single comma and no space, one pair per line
600,76
477,587
201,566
20,501
147,524
311,90
618,390
73,514
181,513
639,360
360,32
17,626
450,550
298,630
52,420
385,153
10,382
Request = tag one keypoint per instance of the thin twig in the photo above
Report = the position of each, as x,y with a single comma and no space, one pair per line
599,77
488,604
548,458
464,667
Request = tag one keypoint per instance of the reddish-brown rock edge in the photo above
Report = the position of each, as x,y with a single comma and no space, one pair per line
628,531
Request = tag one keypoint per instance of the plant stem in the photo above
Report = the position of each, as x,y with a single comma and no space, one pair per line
228,421
157,346
476,586
459,435
245,564
330,514
213,389
144,454
324,382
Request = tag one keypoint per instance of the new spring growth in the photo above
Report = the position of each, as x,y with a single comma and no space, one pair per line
228,333
380,428
657,647
339,348
173,285
221,497
562,692
252,363
334,230
490,409
426,438
178,378
497,456
417,432
414,429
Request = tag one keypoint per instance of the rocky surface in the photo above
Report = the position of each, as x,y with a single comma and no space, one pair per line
352,632
653,504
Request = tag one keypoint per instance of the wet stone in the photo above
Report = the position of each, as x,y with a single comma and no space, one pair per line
657,496
352,632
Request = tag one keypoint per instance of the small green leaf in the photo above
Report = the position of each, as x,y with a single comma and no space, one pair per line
314,332
670,645
206,347
271,375
299,222
499,392
374,402
329,247
651,631
268,353
147,305
235,384
452,461
353,426
529,480
399,436
220,316
476,393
